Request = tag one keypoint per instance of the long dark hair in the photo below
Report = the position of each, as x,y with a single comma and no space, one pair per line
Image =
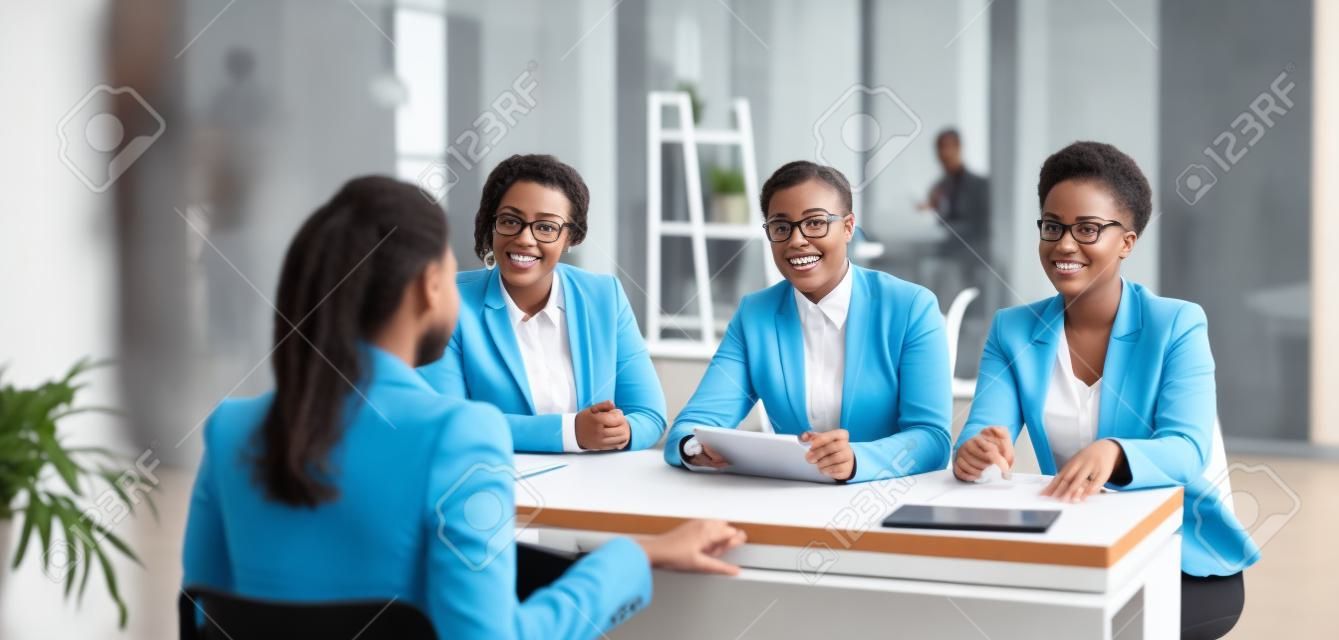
343,276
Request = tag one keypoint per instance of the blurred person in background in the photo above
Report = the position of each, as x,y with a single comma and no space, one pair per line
961,200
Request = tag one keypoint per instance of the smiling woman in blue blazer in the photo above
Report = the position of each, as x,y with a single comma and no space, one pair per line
320,491
1114,384
557,349
853,361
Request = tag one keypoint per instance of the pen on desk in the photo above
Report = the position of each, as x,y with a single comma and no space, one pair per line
530,473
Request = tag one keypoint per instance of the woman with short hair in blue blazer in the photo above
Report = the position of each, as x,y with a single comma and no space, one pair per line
853,361
1115,384
556,348
354,480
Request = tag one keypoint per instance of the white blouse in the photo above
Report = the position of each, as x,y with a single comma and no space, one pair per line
1072,407
542,339
824,328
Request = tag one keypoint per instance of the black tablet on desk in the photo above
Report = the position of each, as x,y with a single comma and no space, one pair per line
924,516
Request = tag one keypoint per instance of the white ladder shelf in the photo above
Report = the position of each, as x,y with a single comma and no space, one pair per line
696,228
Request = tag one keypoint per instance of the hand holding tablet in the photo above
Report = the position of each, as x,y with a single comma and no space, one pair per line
769,455
831,452
700,455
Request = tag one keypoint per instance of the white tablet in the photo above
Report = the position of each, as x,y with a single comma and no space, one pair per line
770,455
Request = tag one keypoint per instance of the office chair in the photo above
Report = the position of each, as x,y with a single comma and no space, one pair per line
963,388
238,618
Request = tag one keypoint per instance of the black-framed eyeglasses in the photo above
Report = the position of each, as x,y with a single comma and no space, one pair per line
1085,232
811,227
545,231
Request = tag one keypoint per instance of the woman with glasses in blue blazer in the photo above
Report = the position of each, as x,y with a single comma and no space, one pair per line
1114,383
556,348
853,361
354,480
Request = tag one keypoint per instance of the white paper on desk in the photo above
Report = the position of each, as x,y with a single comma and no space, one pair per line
1021,491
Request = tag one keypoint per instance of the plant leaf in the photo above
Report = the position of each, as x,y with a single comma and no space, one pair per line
29,523
68,471
110,577
90,409
118,543
84,364
75,545
111,477
73,542
88,569
31,451
41,512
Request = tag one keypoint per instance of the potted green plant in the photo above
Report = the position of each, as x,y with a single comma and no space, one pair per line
69,497
728,203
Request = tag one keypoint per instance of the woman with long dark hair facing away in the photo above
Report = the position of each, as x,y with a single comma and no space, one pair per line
556,348
852,361
1114,383
354,479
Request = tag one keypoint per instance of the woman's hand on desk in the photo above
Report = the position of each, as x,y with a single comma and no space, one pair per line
708,458
1086,472
602,427
696,546
992,446
831,452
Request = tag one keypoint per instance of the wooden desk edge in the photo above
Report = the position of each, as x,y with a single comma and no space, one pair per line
943,546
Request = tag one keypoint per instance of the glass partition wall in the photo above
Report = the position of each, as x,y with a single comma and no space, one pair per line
438,92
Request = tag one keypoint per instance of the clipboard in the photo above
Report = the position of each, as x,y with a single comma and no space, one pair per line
767,455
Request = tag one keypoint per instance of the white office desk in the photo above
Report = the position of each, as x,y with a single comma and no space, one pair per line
818,563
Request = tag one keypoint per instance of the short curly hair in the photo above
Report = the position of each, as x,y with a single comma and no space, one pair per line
800,171
1105,164
540,169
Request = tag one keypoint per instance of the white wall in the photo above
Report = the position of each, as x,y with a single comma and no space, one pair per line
58,287
57,254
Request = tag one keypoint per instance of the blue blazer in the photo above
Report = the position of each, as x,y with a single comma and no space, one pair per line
609,359
1158,402
896,397
406,467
